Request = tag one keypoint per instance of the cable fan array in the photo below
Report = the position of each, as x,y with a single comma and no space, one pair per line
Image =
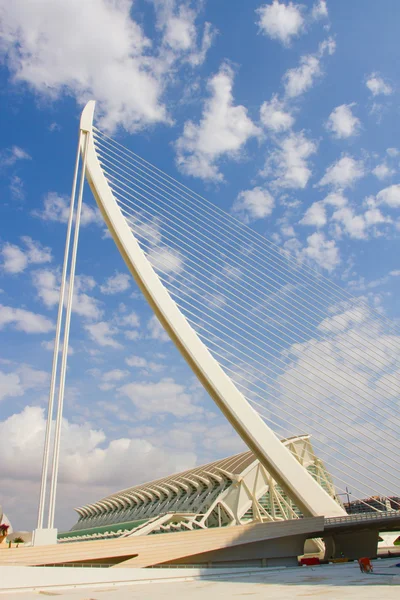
308,356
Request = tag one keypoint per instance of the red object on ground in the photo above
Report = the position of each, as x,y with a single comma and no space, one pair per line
365,565
312,560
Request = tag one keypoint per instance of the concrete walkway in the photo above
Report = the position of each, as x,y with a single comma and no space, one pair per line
333,582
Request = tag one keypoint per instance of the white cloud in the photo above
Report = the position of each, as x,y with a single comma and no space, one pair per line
22,379
24,320
131,320
47,284
112,51
323,252
91,466
103,334
254,204
356,226
392,152
382,171
156,330
15,260
377,86
49,345
335,199
275,117
56,208
390,196
109,379
315,215
163,397
16,188
120,282
139,362
136,361
166,260
177,22
10,386
129,324
342,123
300,79
281,21
343,173
289,163
10,156
223,130
319,10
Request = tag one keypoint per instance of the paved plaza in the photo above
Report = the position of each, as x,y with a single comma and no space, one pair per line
340,581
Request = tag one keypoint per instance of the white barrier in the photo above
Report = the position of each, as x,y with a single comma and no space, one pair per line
18,579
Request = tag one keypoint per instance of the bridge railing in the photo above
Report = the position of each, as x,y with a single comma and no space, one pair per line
364,517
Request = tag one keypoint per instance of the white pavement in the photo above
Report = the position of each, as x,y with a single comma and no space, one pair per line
335,582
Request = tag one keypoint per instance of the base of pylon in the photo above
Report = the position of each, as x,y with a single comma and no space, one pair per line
44,537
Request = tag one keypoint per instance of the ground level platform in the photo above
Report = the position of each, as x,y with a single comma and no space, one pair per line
333,582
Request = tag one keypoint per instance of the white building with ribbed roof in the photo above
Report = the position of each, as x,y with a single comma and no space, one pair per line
230,491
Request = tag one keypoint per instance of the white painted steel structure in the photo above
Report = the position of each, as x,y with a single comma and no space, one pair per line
293,478
231,491
278,347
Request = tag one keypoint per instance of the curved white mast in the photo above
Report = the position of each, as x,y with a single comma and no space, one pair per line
306,493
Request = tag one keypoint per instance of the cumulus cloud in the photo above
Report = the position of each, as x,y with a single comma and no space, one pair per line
164,397
300,79
343,173
281,21
177,24
390,196
16,188
342,123
275,117
91,466
321,251
223,130
319,10
47,284
120,282
10,156
335,199
49,345
102,333
382,171
289,163
16,259
156,330
108,380
24,320
21,379
56,208
167,260
112,51
353,224
139,362
251,205
377,86
315,215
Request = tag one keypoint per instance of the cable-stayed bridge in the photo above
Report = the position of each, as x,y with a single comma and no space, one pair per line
279,348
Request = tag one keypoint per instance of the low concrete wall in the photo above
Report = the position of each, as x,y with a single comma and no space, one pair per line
18,579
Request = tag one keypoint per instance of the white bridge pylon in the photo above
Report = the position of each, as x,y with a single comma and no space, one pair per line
306,493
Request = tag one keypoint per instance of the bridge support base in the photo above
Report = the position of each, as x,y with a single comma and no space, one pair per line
353,545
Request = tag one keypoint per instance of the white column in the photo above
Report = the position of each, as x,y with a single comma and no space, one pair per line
57,438
47,441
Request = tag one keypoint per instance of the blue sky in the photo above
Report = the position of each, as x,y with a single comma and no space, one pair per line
285,114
